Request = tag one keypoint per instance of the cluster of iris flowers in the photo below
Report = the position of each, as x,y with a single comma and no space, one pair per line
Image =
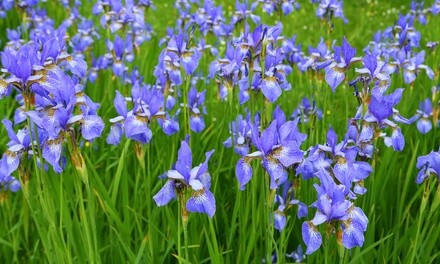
47,73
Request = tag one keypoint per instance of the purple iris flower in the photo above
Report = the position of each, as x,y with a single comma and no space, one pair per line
57,97
404,32
292,51
275,80
208,18
285,201
422,116
19,64
319,57
118,55
228,69
342,58
346,169
417,9
277,149
435,9
286,6
129,14
432,45
243,11
195,103
83,40
381,105
414,65
397,140
6,5
330,8
298,255
176,54
116,130
373,74
19,142
306,111
428,165
354,228
148,105
185,178
240,131
332,206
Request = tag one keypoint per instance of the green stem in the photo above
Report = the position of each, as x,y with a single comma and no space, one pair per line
269,217
184,219
179,226
423,204
187,109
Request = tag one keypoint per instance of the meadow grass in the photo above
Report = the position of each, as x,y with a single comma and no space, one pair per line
107,215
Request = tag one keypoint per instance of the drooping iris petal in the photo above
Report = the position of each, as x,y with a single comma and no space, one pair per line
421,176
9,162
334,76
196,123
114,137
289,154
165,194
202,201
243,172
352,234
52,154
270,88
424,125
276,171
344,173
14,186
359,215
302,210
311,236
169,126
137,129
361,170
5,88
175,77
398,140
279,218
92,127
190,61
